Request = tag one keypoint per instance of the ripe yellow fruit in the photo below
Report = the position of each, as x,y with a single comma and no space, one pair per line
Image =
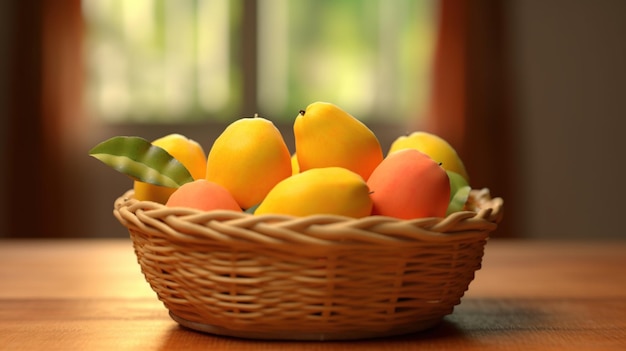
248,159
186,151
295,167
327,136
329,190
435,147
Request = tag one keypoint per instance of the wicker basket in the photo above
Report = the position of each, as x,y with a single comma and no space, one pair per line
310,278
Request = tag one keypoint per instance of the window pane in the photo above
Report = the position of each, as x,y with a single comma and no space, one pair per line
371,57
172,61
158,60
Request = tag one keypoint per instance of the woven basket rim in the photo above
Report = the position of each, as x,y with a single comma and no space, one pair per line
190,225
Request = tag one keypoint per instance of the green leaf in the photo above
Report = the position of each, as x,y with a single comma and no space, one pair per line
458,200
456,182
139,159
252,209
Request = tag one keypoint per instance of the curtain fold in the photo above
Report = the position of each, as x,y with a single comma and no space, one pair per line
44,108
470,103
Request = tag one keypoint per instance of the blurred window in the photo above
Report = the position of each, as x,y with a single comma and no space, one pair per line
176,61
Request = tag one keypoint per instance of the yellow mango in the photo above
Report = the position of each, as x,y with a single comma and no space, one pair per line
434,146
186,151
248,159
327,136
329,190
295,167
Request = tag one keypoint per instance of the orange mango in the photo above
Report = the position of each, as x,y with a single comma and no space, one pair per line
409,184
203,195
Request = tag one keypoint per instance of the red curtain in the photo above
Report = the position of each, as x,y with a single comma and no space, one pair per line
45,96
470,105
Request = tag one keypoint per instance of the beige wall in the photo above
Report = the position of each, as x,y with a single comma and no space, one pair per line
570,70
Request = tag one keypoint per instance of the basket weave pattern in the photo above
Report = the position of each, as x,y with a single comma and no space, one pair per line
316,277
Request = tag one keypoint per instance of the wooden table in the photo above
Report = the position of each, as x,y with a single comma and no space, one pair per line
529,295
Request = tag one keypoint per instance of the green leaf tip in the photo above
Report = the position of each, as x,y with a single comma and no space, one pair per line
137,158
458,200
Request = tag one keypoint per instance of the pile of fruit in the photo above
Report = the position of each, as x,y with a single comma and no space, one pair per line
338,168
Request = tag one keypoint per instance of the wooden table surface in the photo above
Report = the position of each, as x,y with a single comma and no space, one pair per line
529,295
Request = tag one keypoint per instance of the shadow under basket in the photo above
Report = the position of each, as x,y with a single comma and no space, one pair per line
308,278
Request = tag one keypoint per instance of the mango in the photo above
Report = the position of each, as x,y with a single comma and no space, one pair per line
186,151
434,146
295,167
328,190
327,136
248,158
409,184
203,195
